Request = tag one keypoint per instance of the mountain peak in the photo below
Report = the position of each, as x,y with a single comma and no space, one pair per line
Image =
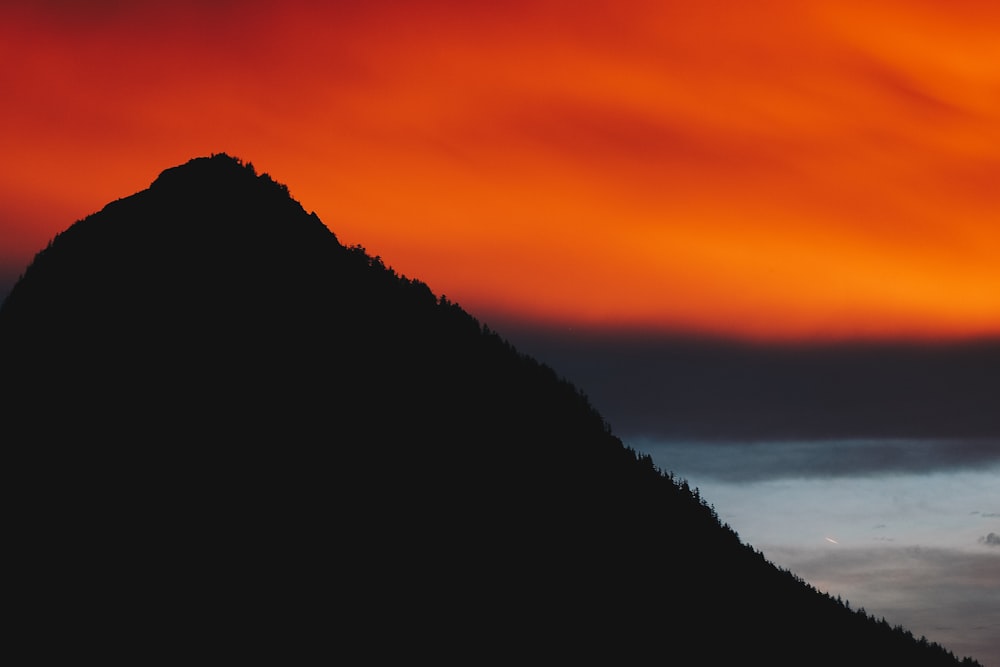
215,169
221,176
210,240
225,416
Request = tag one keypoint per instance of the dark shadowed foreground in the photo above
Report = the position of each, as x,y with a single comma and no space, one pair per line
225,427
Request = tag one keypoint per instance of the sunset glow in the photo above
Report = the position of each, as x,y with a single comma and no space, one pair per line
774,169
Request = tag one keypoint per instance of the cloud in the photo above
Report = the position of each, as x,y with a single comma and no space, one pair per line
924,570
669,388
949,596
766,169
992,540
749,461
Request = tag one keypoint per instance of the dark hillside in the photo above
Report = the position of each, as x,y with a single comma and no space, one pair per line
224,425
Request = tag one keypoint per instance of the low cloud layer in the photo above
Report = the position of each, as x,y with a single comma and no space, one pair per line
903,546
750,461
676,389
946,595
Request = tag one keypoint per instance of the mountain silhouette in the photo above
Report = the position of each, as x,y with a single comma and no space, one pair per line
231,436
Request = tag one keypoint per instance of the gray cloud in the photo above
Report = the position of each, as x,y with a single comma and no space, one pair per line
755,461
665,388
992,540
847,409
949,596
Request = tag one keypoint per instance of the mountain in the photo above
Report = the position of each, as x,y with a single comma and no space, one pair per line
231,436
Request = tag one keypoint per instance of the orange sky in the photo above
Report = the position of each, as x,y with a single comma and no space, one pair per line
776,169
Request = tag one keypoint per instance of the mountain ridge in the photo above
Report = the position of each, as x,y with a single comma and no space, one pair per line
202,376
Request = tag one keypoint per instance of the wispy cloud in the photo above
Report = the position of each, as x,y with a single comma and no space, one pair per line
737,461
774,168
899,583
906,545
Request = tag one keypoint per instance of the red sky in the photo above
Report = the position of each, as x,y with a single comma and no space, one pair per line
775,169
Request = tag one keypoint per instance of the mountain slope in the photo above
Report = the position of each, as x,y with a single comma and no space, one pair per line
225,424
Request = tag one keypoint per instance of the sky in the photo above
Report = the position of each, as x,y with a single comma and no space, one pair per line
916,544
766,170
762,236
870,469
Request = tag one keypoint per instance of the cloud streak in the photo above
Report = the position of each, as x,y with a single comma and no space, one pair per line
899,583
774,171
755,461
